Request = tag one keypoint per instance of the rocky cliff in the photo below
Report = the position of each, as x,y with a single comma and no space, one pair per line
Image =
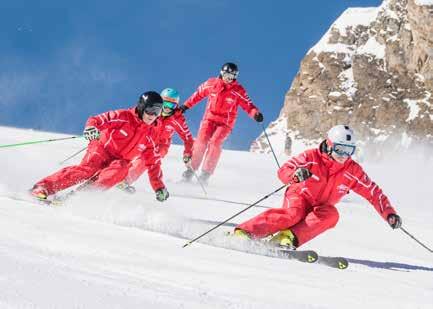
373,70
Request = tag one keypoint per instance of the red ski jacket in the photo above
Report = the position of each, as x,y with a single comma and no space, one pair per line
332,180
169,125
127,137
223,101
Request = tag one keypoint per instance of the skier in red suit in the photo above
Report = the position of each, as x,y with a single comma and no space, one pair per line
116,139
318,179
171,121
224,95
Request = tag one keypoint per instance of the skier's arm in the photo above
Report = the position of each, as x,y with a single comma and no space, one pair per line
245,102
152,161
201,92
184,133
368,189
110,119
138,167
287,171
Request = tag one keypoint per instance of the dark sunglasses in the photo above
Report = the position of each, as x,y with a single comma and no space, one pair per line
153,110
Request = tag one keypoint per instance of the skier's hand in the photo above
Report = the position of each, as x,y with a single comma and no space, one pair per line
91,133
258,117
394,221
301,174
162,194
183,108
187,160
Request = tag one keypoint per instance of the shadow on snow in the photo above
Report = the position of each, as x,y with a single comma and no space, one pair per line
389,265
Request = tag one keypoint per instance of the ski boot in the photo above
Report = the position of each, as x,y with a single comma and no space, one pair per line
204,177
285,239
126,187
241,234
187,175
40,194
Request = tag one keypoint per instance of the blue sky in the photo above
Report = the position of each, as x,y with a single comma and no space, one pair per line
62,61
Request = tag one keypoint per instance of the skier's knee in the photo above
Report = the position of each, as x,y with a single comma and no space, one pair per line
332,217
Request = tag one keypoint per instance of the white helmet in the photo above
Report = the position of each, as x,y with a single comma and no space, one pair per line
341,140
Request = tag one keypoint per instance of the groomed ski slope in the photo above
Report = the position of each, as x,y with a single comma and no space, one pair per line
112,250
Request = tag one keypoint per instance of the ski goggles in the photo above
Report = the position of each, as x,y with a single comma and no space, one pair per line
153,110
343,150
169,105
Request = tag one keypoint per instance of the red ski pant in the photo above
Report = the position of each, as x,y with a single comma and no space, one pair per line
96,163
210,139
304,220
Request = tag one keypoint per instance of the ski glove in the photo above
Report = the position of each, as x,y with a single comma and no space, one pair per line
258,117
186,159
91,133
183,108
301,174
162,194
394,221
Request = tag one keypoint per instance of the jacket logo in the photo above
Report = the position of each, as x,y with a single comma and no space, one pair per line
141,147
230,100
343,188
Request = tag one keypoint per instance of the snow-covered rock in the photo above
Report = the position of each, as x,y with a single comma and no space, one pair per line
373,70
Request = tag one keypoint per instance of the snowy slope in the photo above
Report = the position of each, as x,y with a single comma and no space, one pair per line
113,250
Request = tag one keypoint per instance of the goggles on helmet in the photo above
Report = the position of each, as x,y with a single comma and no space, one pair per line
343,150
153,110
169,105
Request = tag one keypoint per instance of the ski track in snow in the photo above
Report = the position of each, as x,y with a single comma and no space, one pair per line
113,250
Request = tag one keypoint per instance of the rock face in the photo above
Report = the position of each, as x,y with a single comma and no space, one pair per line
373,70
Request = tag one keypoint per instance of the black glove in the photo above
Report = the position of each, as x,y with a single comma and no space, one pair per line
162,194
258,117
183,108
186,159
91,133
301,174
394,221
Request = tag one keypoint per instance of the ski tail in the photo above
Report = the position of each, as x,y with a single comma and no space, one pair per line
306,256
334,262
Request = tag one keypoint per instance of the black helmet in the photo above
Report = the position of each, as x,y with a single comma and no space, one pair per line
150,103
230,68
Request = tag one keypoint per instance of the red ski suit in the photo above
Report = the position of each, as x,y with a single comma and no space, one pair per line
219,119
309,206
168,125
124,138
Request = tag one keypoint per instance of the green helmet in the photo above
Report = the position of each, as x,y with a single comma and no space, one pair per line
170,99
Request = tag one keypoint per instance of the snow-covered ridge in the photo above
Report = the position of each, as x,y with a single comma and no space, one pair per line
424,2
352,17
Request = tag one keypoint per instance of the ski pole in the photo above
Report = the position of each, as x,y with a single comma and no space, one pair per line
73,155
270,145
199,181
235,215
215,200
411,236
40,141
